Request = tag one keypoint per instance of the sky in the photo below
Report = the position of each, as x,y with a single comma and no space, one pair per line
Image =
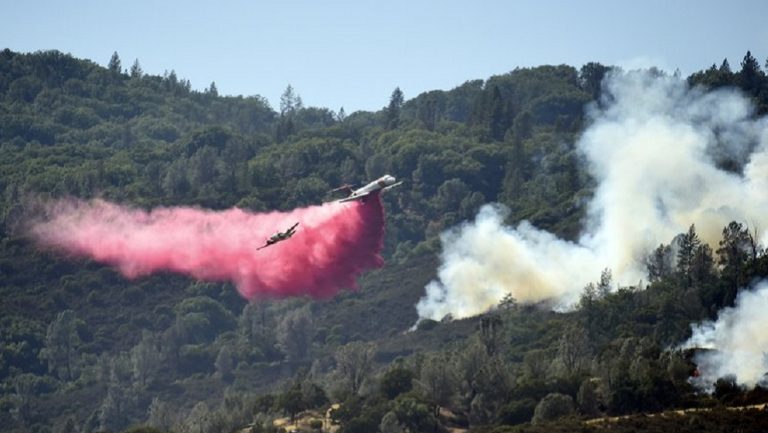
353,54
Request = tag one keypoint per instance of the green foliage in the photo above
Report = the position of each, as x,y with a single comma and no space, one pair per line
396,381
552,407
517,412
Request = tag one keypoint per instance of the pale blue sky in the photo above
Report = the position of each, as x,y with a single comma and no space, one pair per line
354,53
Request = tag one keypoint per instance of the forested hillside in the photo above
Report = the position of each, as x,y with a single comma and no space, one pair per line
83,349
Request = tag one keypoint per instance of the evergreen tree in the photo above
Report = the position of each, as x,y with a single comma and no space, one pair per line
212,90
427,111
702,266
225,364
114,64
393,109
497,119
688,244
725,67
750,76
61,346
605,284
145,359
591,77
658,263
735,249
290,102
136,71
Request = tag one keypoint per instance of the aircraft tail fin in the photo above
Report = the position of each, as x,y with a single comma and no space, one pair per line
347,188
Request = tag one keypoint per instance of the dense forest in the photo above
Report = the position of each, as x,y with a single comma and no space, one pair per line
83,350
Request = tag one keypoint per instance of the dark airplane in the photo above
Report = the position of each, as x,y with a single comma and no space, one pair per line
279,237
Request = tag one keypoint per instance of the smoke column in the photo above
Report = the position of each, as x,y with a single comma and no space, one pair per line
653,148
331,247
739,339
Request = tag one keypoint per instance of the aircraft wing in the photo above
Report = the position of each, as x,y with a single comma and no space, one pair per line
392,186
353,198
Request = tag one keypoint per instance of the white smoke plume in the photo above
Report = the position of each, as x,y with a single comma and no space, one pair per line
738,339
653,148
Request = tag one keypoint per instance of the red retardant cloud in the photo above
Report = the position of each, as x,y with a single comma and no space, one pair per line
333,244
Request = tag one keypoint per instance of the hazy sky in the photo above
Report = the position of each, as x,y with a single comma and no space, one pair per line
352,54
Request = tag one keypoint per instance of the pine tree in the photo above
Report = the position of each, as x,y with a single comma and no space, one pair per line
114,64
61,346
290,102
212,90
750,76
136,71
393,109
689,243
725,66
496,121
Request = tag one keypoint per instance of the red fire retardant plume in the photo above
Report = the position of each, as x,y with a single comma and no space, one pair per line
333,244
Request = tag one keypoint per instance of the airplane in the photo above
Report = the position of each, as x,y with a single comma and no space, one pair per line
279,237
381,184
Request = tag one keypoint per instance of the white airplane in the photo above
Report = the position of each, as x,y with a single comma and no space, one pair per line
381,184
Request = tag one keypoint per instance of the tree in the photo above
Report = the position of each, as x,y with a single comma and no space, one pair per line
591,77
290,102
552,407
688,243
450,195
198,419
212,90
413,415
202,167
587,397
61,346
291,402
573,351
136,71
605,284
160,415
437,381
294,334
735,249
225,363
145,358
427,111
24,387
113,411
354,362
396,381
750,76
490,333
393,109
659,264
725,67
702,266
498,125
390,424
114,64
